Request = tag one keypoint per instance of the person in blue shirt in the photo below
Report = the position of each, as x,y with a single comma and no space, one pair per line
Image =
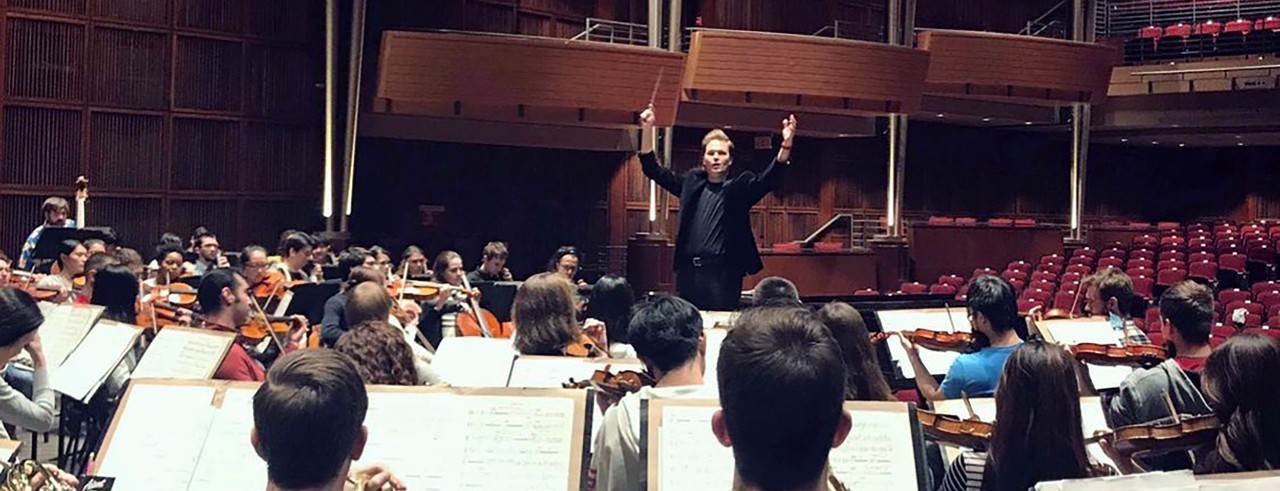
56,214
993,313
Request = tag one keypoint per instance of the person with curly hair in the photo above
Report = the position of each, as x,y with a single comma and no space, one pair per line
381,354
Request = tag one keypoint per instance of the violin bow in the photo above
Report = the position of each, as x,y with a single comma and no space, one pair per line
656,84
968,406
262,314
404,282
1071,314
475,307
1173,411
947,306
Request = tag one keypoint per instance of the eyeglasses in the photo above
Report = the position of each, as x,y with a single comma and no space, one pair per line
255,265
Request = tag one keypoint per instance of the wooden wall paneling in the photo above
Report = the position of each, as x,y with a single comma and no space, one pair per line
1012,67
127,151
274,75
225,16
208,74
206,154
41,146
70,7
18,216
263,220
137,221
218,215
489,17
46,59
277,156
283,19
134,68
151,12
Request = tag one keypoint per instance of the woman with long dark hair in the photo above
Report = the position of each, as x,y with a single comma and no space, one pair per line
610,304
863,379
1037,435
116,289
1240,382
20,318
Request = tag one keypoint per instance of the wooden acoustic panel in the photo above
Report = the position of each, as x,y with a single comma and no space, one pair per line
792,72
1009,67
527,79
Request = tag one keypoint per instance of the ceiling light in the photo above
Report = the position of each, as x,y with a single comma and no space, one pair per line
1180,145
1237,137
1124,140
986,120
1028,123
1155,143
940,115
1241,144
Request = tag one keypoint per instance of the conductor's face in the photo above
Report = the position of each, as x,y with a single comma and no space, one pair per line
716,160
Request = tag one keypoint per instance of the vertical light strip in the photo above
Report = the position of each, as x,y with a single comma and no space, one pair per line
330,59
655,41
353,114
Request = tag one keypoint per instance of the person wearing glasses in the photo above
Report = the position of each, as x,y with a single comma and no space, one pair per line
993,313
565,263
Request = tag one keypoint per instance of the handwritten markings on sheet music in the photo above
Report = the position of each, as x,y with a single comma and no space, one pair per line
484,443
183,354
156,444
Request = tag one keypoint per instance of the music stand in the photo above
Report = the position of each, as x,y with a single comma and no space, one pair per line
49,243
191,281
497,297
308,300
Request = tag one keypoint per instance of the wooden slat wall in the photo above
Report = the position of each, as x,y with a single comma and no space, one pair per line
524,78
758,69
181,113
1007,66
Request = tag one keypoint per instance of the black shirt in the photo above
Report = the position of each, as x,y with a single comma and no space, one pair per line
480,275
706,232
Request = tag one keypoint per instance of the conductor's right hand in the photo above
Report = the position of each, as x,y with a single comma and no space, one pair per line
647,118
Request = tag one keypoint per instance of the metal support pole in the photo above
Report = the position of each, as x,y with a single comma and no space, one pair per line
1081,118
330,63
353,108
901,33
655,41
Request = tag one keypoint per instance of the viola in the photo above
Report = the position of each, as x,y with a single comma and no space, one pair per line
583,347
969,433
1183,433
1141,355
615,384
933,340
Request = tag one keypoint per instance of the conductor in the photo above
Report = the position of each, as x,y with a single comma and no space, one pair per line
714,244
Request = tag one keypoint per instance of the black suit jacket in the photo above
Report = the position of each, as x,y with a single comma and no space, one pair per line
740,194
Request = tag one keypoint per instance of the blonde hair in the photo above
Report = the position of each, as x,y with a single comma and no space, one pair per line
716,134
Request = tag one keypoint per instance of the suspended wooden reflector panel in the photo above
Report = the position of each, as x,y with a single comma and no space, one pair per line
803,73
525,79
1014,68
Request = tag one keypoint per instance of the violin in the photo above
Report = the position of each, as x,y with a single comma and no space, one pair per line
1140,355
274,286
158,313
615,384
256,328
583,347
969,433
933,340
1183,433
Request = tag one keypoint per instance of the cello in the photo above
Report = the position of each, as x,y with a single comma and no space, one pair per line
480,321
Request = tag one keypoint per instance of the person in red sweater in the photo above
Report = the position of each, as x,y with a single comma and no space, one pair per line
224,301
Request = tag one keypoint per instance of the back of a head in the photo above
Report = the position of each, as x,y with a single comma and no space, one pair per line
865,381
209,295
380,352
666,331
129,257
98,261
307,390
1241,386
19,315
116,288
367,302
1189,308
293,242
611,300
781,394
351,259
775,290
544,311
1114,283
364,274
1037,405
994,297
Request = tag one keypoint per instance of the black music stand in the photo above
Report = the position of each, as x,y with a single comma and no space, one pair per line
308,300
497,297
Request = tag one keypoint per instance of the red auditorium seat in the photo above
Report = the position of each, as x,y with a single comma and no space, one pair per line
1203,270
866,292
1114,252
1233,261
1025,306
1055,268
984,272
1110,262
950,279
1024,222
941,289
1163,226
1000,222
1253,308
1271,23
1140,263
1241,26
1085,251
1252,321
1014,275
1142,286
1172,255
1045,276
1145,241
1215,341
1262,254
942,221
1163,265
1197,257
1167,277
1144,272
1139,225
912,288
1268,300
1042,296
1210,28
1178,30
1080,268
1228,248
1173,240
1264,287
1274,334
787,246
1142,254
1150,32
966,221
1273,311
1017,284
1223,331
1201,249
1224,227
1234,295
1050,258
1200,242
1070,278
1018,266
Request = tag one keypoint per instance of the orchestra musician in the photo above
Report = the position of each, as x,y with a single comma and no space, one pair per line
295,258
380,353
20,319
383,260
775,290
493,264
308,425
97,262
715,247
171,266
224,301
360,268
864,381
545,311
133,260
208,254
71,259
95,246
369,302
56,213
6,269
413,262
253,264
781,400
440,317
564,262
993,314
610,304
322,251
1110,293
1037,433
669,339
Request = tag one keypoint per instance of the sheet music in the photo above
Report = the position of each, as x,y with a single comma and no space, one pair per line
554,371
938,362
8,448
715,338
1092,419
879,452
474,361
63,329
157,441
92,362
184,353
1089,330
1150,481
228,460
475,442
711,318
934,319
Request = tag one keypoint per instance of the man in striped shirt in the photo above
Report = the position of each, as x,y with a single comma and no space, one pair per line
56,212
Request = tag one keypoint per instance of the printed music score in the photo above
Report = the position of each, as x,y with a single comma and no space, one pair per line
184,353
938,362
474,361
880,452
227,447
63,329
156,440
1088,330
554,371
89,365
1092,419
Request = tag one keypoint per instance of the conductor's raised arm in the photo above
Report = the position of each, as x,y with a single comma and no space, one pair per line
771,178
649,161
